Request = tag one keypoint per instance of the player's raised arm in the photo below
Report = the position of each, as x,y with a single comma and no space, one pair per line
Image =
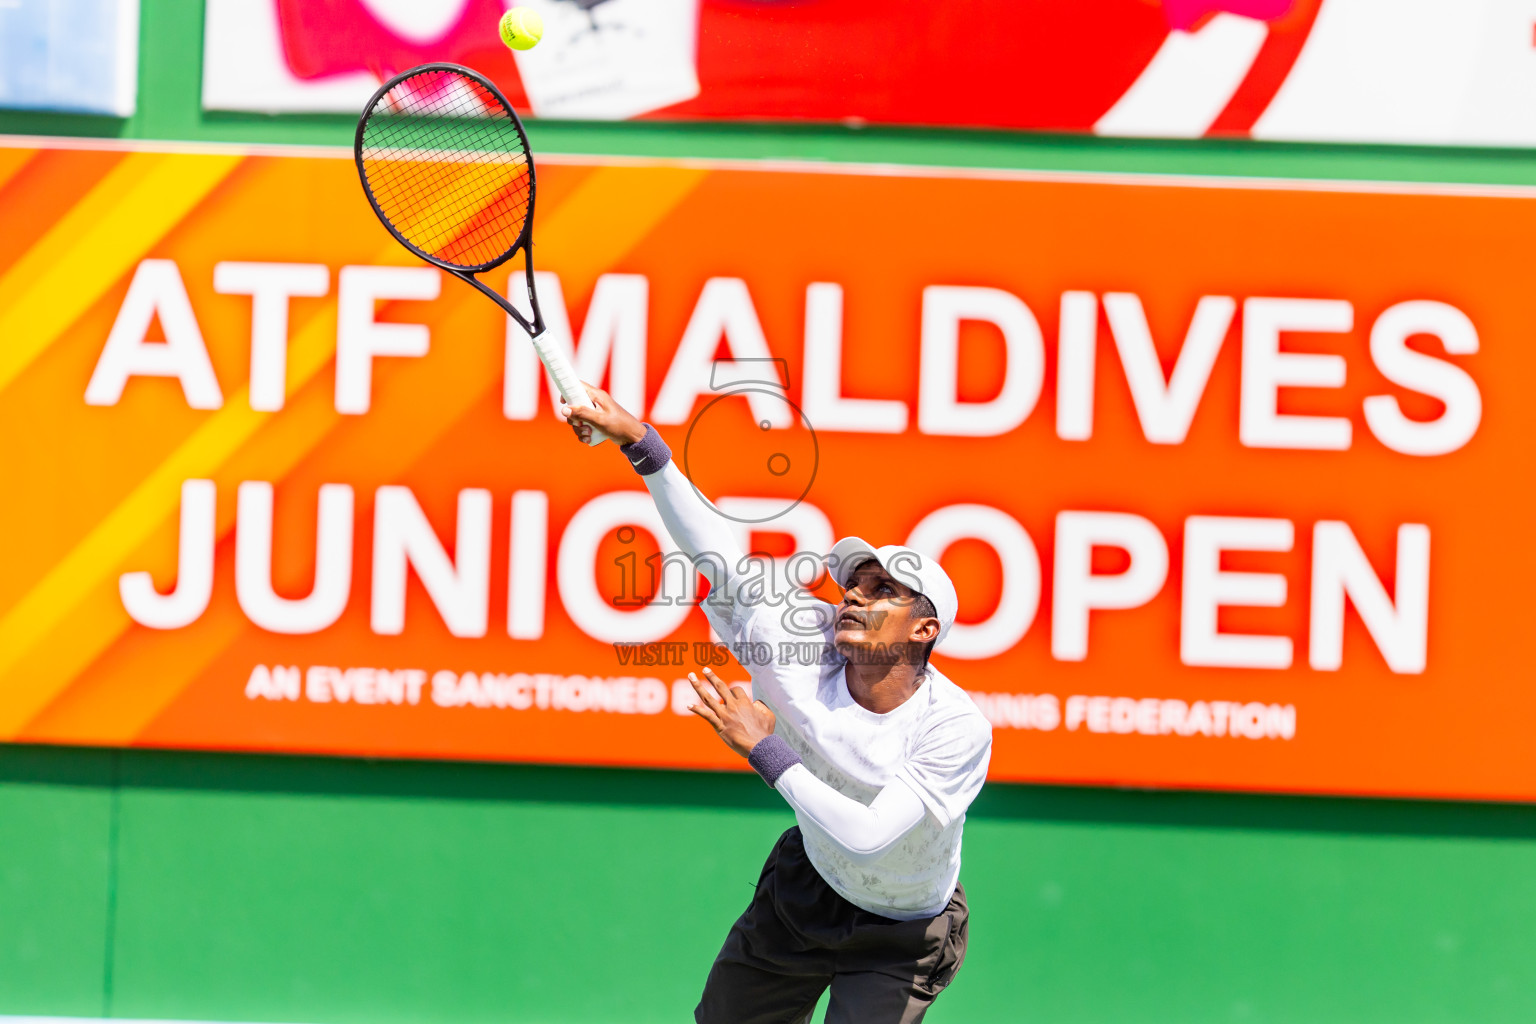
695,527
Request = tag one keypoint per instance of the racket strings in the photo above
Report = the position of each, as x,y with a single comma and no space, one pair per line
446,164
443,146
432,219
430,214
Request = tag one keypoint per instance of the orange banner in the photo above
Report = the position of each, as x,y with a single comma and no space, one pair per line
1230,475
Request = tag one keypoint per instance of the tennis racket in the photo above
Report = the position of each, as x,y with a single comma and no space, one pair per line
445,164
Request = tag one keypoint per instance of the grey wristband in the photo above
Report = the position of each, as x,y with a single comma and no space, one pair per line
649,454
772,757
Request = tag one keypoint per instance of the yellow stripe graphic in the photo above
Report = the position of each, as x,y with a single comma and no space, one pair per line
101,238
599,222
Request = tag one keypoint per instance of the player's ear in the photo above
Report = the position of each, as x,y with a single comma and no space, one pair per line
925,629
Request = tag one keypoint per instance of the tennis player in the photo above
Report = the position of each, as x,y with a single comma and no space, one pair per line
877,752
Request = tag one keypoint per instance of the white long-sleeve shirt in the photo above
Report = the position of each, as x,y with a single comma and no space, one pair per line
880,799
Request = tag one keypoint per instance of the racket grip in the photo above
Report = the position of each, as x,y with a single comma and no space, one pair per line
566,381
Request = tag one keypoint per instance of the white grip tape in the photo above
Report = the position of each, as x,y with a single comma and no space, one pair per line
566,381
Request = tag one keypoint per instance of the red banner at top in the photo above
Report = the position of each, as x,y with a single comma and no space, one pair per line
1335,70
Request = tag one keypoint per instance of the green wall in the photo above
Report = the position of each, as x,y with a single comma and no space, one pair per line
150,884
147,884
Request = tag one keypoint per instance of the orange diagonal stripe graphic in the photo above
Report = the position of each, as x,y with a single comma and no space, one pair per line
610,213
12,161
94,245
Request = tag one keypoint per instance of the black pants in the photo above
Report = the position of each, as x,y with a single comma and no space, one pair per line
797,937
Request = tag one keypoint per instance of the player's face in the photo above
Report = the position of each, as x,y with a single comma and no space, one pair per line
877,619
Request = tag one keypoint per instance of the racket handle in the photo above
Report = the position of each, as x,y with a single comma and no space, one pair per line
566,381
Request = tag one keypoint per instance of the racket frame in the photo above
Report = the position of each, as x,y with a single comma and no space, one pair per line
567,384
524,239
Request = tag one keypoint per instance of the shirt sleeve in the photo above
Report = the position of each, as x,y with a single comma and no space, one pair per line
739,586
863,833
949,765
701,534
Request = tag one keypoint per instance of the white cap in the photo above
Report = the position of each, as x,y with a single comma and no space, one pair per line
906,566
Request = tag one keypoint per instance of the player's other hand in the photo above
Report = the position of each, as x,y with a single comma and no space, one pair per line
738,719
605,414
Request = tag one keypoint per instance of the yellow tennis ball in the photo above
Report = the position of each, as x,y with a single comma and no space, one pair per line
522,28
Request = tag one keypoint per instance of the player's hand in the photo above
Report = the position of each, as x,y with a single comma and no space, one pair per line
738,719
605,414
